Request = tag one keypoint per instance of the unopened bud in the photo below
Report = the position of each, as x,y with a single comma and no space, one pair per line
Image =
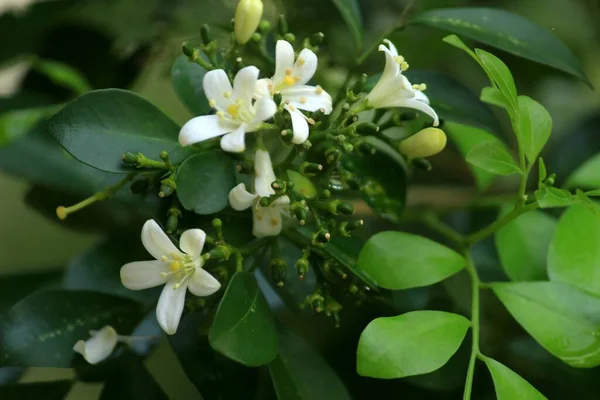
277,98
332,155
422,163
366,148
310,169
317,39
289,37
367,128
256,37
322,237
130,158
279,186
306,145
247,18
172,223
425,143
167,188
278,269
302,267
264,26
287,135
282,26
220,253
348,226
187,49
205,34
345,208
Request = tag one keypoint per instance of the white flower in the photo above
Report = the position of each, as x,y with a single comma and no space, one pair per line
247,17
237,113
395,90
99,346
267,220
290,80
177,270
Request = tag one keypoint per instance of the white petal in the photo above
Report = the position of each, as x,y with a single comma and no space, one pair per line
265,175
299,125
99,346
205,127
170,306
156,241
263,88
308,98
390,74
421,97
391,46
244,83
266,221
395,89
192,242
216,84
305,67
240,199
417,105
203,284
284,60
235,142
264,108
143,274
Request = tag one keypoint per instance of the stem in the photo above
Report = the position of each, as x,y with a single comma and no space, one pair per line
491,229
475,352
434,223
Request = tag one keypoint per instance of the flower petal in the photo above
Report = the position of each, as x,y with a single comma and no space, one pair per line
417,105
203,284
299,125
240,199
421,97
266,221
391,46
216,84
264,108
170,306
305,67
156,241
99,346
263,88
192,242
244,83
265,175
308,98
235,141
205,127
143,274
284,60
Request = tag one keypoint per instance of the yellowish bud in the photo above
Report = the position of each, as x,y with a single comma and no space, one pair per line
247,18
425,143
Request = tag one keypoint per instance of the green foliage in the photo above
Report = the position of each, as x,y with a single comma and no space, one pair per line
494,157
63,75
535,125
351,13
14,124
186,77
509,385
385,258
410,344
501,75
586,175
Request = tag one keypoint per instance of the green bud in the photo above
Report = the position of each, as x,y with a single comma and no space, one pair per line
264,26
167,188
287,135
423,164
310,169
277,98
130,158
347,227
425,143
302,267
282,26
172,223
205,34
244,167
550,180
247,18
289,37
278,269
359,84
256,37
220,253
322,237
279,186
217,223
325,194
367,128
265,201
350,119
317,39
306,145
332,155
347,147
187,49
366,148
345,208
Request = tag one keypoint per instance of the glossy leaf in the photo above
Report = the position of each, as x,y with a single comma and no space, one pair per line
204,181
523,244
494,157
52,390
506,31
501,75
563,319
574,254
300,373
244,329
551,197
112,122
398,260
587,175
14,288
509,385
62,75
40,330
351,14
410,344
494,96
187,78
535,125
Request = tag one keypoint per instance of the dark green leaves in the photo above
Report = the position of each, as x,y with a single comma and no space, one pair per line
98,127
187,78
243,329
494,157
410,344
351,14
564,320
40,330
523,244
398,260
574,255
509,385
507,31
535,125
300,373
204,181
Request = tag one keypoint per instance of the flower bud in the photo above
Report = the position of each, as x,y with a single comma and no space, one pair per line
302,267
205,34
425,143
317,39
247,18
278,269
367,128
282,25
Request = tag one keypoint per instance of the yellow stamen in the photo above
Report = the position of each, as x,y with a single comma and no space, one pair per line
303,100
221,114
292,108
234,110
404,66
274,221
300,61
175,266
288,71
227,95
319,90
212,103
399,59
288,80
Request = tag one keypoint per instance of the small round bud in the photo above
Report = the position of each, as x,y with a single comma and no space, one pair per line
264,26
164,155
323,237
289,37
217,223
317,39
425,143
172,223
302,267
61,213
278,269
256,37
345,208
187,49
205,34
247,18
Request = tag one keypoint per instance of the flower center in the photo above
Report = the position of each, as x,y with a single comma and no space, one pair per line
234,110
181,268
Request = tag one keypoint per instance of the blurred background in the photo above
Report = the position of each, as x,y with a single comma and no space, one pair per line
133,43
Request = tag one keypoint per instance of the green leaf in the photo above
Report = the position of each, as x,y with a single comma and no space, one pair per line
501,75
535,125
414,343
509,385
523,243
16,123
563,319
302,184
56,390
466,137
506,31
204,181
351,14
98,127
494,96
244,329
62,75
300,373
40,330
574,254
551,197
587,175
187,77
382,178
494,157
398,260
16,287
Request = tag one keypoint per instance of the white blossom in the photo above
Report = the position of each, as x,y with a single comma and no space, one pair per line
267,221
99,346
177,270
237,112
